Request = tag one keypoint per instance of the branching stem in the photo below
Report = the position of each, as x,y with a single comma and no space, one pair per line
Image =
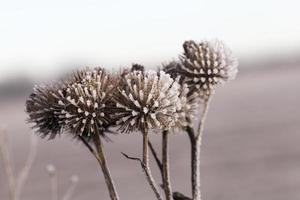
146,167
102,161
196,141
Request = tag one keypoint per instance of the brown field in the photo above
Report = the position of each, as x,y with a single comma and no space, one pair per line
251,148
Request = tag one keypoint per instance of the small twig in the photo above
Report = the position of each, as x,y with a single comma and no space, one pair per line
149,176
5,156
70,190
165,163
133,158
28,165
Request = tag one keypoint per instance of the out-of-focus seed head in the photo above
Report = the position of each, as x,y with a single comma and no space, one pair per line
44,111
87,104
147,100
189,104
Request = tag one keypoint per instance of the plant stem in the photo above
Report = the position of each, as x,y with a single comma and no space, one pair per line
5,156
165,163
28,165
196,149
147,168
102,161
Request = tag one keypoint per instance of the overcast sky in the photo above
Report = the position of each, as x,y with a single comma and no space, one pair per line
39,37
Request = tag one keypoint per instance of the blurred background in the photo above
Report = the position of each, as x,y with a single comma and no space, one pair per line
251,144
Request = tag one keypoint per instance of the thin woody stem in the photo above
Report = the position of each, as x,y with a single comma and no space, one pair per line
203,117
146,167
196,150
5,156
28,165
165,164
102,161
191,135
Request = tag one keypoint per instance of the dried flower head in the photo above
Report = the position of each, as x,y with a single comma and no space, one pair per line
147,100
81,104
44,111
87,103
205,65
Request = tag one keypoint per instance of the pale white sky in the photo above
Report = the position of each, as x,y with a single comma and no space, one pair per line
40,37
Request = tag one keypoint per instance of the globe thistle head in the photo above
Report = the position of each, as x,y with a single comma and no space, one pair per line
44,111
87,103
147,100
204,65
207,64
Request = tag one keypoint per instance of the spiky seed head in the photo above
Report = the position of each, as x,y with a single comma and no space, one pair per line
80,104
88,105
147,100
44,110
205,65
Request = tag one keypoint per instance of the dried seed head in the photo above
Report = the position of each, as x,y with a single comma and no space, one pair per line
88,105
205,65
147,100
44,110
81,105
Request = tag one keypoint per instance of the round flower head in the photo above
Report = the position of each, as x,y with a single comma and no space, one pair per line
45,112
147,100
205,65
87,105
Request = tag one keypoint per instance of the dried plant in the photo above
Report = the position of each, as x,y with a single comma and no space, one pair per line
73,183
7,164
16,183
147,100
202,67
89,102
51,169
81,105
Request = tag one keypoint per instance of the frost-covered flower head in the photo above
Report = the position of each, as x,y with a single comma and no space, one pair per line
87,103
208,63
147,100
205,65
44,111
80,104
